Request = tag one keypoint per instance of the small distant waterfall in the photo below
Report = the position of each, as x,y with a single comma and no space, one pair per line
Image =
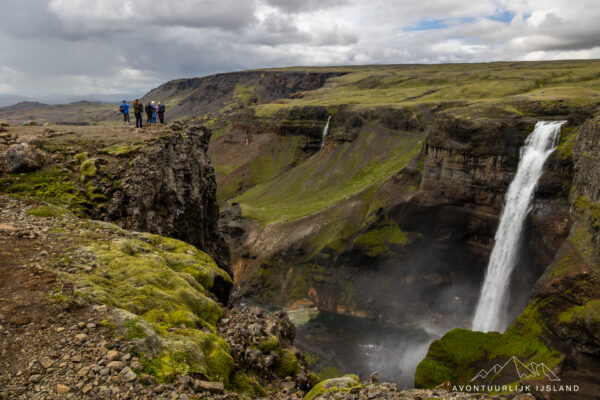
490,314
325,132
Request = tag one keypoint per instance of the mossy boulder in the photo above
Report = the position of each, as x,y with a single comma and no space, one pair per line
269,344
343,384
288,364
165,284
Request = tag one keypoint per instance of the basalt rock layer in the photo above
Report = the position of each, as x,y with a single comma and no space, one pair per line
559,326
169,189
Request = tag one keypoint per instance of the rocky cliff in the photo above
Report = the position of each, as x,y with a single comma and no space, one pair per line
160,182
169,189
558,327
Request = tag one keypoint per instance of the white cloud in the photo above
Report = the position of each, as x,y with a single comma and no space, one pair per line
79,46
8,77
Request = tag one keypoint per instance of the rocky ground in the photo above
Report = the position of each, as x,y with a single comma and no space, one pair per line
53,348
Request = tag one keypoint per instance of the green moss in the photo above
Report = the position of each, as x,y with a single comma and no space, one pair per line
166,366
343,384
46,211
108,324
80,157
242,383
88,169
51,185
220,364
588,313
245,94
288,364
378,241
269,344
133,330
563,265
57,296
567,144
156,279
584,229
454,357
120,149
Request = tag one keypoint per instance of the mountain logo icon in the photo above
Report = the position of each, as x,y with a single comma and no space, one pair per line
532,370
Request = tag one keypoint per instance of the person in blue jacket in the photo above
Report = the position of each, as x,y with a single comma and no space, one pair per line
154,113
125,110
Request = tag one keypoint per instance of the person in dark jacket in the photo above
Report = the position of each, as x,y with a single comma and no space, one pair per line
149,111
161,112
125,110
138,109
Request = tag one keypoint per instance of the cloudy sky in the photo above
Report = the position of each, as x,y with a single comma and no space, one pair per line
82,47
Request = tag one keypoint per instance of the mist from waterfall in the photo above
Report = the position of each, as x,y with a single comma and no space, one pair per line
325,132
491,311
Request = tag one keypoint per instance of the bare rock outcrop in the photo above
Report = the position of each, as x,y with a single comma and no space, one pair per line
22,157
170,190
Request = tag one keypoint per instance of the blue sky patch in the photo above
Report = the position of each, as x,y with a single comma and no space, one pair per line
427,25
504,16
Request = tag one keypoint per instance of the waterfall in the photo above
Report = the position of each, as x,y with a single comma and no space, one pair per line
490,314
325,132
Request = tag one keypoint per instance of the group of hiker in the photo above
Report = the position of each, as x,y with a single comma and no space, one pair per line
152,112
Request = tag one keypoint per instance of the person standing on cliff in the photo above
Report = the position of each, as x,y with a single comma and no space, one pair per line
161,112
138,109
149,111
125,110
154,113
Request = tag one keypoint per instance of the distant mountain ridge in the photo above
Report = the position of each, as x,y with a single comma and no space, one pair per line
532,370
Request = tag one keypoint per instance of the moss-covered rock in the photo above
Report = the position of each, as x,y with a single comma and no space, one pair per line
243,384
164,284
288,364
88,169
460,353
79,158
343,384
269,344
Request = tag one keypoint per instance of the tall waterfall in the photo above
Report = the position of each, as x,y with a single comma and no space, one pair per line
325,132
491,312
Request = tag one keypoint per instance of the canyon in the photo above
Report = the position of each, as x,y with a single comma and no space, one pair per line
387,222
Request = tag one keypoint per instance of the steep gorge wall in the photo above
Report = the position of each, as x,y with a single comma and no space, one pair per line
170,190
559,326
441,212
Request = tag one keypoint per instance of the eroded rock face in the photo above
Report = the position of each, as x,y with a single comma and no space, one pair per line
22,157
447,204
170,190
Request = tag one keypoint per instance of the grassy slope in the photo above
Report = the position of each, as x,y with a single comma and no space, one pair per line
329,177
